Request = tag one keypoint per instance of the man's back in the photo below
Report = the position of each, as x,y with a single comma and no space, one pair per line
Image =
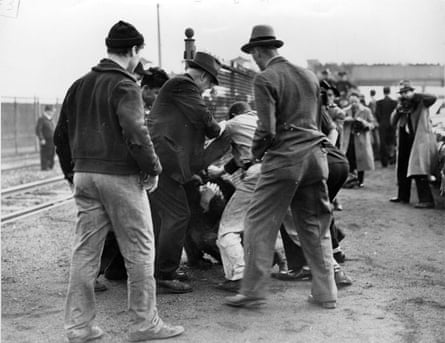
287,103
384,108
104,119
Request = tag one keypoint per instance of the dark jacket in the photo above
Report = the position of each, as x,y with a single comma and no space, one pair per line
101,125
287,100
45,130
179,122
383,110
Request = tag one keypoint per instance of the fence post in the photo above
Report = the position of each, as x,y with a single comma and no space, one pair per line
15,126
36,117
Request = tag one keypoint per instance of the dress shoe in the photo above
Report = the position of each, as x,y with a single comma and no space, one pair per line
424,204
290,275
174,286
397,199
166,331
99,286
330,305
240,300
94,332
341,279
182,275
230,286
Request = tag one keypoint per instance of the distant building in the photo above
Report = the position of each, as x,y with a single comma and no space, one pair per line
423,75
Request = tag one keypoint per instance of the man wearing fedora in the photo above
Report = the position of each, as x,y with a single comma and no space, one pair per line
107,156
179,122
294,171
416,147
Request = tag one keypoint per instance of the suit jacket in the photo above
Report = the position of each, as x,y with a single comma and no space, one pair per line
287,101
383,110
179,122
362,140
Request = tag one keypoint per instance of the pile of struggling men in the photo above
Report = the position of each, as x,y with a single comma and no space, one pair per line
146,183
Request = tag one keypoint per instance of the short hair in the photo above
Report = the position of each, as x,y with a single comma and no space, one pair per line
239,107
372,92
154,77
123,51
48,108
386,90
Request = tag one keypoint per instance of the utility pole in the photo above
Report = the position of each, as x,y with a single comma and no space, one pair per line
159,37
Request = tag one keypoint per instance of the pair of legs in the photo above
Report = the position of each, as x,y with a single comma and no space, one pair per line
352,159
104,203
47,154
302,187
387,143
404,183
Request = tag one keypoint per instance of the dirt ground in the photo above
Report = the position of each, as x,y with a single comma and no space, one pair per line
395,255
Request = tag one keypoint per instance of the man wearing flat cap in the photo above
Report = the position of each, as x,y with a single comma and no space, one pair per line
107,155
416,145
179,122
294,171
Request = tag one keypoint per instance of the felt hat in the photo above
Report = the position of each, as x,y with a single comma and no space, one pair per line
123,35
326,85
404,86
262,35
206,62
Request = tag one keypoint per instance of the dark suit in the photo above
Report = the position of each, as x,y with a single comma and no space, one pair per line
384,108
293,174
45,132
179,122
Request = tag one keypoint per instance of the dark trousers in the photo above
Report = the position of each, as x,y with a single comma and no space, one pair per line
350,154
47,153
423,188
387,143
171,215
338,173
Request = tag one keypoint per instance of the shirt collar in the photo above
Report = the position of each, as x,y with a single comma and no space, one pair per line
271,60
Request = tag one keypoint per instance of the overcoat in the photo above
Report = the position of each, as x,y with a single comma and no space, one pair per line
423,155
362,140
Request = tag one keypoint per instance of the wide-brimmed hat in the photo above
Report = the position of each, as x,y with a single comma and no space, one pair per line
206,62
404,86
262,35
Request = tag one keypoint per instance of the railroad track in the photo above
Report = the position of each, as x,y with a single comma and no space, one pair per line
32,198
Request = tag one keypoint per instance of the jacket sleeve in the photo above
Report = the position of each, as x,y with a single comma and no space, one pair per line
266,129
39,132
378,111
188,97
428,99
130,113
61,137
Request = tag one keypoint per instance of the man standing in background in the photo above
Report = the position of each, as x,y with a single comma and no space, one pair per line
45,132
384,108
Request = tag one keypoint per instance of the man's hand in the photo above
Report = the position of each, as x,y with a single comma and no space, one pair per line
149,182
215,171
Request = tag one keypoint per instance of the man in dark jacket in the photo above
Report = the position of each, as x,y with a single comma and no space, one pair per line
293,173
179,122
108,157
383,110
45,132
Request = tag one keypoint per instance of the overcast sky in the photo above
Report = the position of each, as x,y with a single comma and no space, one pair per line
53,42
